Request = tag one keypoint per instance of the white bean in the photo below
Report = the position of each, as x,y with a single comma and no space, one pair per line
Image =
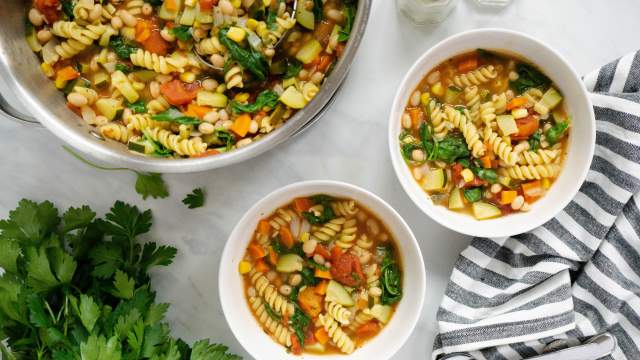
206,128
147,9
226,7
217,60
44,35
36,17
303,74
88,115
335,15
375,291
253,127
244,142
318,258
418,155
417,173
513,76
517,203
433,78
224,116
209,84
317,77
309,246
77,100
295,279
154,89
496,188
211,116
271,275
127,18
167,35
373,227
285,289
406,121
415,98
116,23
251,291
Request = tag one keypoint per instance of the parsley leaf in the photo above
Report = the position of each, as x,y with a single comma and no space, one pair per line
123,285
174,115
183,33
299,322
67,9
76,218
153,255
226,137
195,199
556,132
534,140
123,67
151,184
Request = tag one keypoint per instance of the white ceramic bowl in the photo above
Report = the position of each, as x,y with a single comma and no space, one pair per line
581,140
246,328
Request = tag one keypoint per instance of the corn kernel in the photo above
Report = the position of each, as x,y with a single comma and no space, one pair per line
546,183
244,267
519,113
190,3
252,24
60,84
47,69
424,98
304,237
437,89
236,34
221,88
266,2
504,180
188,77
467,175
241,97
138,85
236,3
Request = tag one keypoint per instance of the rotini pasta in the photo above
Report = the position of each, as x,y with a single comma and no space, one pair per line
500,103
329,230
438,120
269,294
468,129
279,331
348,234
542,156
115,132
185,147
533,172
344,208
472,99
282,218
362,317
476,77
79,41
500,147
337,335
151,61
140,122
134,7
233,77
338,312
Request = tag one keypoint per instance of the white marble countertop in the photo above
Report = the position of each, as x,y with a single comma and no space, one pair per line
348,144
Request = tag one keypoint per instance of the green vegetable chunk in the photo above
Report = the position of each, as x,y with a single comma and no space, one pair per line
183,33
122,47
473,195
350,14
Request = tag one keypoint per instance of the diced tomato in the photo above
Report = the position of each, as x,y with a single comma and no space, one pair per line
468,64
321,250
302,204
325,61
367,330
336,251
309,338
209,152
456,169
207,5
155,43
49,9
526,127
177,93
347,270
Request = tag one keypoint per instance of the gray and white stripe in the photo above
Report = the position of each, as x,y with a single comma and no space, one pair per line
574,277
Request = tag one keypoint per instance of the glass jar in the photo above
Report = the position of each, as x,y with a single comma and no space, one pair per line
426,11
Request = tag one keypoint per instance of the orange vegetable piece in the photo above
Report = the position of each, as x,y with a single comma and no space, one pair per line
468,64
517,102
416,116
285,237
323,274
321,288
143,30
197,110
241,125
296,349
67,73
155,43
507,196
301,205
209,152
256,251
207,5
325,62
177,93
322,251
310,302
486,161
336,251
362,304
526,127
171,5
321,335
367,330
264,227
532,190
261,266
273,257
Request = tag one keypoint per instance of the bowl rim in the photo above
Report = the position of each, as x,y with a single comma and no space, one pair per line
420,200
417,294
96,149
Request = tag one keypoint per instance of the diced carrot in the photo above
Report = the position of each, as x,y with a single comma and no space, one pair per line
321,335
325,61
507,196
171,5
532,190
309,301
286,237
321,288
178,93
155,43
264,227
296,349
368,329
273,257
143,30
207,5
302,204
486,161
323,274
322,251
516,102
209,152
256,251
197,110
526,127
489,149
336,251
362,304
67,73
468,64
261,266
416,116
309,338
241,124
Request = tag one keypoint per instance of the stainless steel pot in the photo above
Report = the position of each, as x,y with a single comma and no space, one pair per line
20,68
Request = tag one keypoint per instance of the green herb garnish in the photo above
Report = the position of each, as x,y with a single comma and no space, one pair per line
293,69
250,59
195,199
138,107
123,67
226,137
174,115
534,140
327,211
473,195
350,14
122,47
390,278
528,77
555,133
267,98
183,33
299,322
272,314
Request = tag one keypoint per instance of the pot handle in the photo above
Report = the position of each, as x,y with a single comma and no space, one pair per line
9,111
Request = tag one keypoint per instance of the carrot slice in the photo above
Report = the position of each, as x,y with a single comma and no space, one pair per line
416,116
197,110
264,227
323,274
368,329
256,251
261,266
486,161
241,125
171,5
532,190
296,349
322,251
67,73
321,335
517,102
286,237
321,288
273,257
507,196
301,205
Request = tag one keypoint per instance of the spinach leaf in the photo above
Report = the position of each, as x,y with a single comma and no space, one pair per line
183,33
293,68
155,2
390,279
407,149
556,132
489,175
267,98
317,10
123,67
528,77
271,20
450,148
327,210
350,14
158,148
174,115
122,47
308,278
299,322
534,140
138,107
67,9
276,245
249,59
226,137
473,195
272,314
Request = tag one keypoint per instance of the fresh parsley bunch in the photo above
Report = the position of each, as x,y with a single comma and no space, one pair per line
77,287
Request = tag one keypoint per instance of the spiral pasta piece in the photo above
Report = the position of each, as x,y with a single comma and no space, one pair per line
439,122
233,77
487,113
500,103
365,242
373,281
115,131
309,91
361,318
533,95
79,41
337,335
210,46
183,147
329,230
134,7
140,122
151,61
158,105
81,9
66,29
338,312
363,255
346,208
348,234
270,294
533,172
88,93
279,331
472,99
500,147
478,76
468,129
282,217
542,156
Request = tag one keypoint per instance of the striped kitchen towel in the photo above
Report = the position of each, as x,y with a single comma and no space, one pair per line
574,277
